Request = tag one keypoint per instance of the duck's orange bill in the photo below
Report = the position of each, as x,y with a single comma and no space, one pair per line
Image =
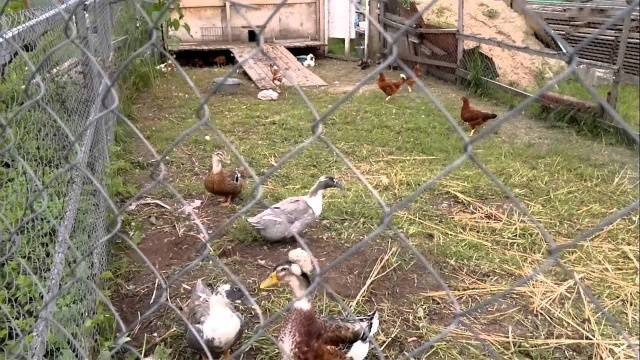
271,281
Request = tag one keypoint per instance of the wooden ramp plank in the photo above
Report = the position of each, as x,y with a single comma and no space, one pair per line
302,75
252,67
257,67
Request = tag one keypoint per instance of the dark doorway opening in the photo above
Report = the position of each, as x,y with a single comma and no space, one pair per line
253,37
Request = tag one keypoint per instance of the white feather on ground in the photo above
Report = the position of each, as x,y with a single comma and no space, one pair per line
268,94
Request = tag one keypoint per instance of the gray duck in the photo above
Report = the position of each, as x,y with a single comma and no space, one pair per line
292,215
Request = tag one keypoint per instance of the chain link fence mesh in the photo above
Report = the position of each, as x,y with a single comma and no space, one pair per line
59,108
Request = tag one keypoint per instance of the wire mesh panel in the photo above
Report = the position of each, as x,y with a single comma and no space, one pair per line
212,33
440,244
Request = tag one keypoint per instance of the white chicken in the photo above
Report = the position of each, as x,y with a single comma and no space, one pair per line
310,61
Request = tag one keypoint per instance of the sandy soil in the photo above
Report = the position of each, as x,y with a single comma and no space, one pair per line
494,19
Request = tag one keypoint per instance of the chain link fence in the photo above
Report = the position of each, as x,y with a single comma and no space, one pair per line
55,140
59,108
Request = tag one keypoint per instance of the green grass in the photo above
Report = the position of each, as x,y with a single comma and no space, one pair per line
336,47
477,72
440,11
586,123
464,224
13,5
628,98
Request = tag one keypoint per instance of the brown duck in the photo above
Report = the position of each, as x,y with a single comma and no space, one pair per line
303,335
222,182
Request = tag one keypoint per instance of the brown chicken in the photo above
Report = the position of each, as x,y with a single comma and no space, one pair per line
390,87
472,116
410,82
222,182
276,77
220,61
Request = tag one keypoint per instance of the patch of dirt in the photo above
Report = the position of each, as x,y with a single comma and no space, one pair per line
164,250
400,276
170,240
505,25
167,249
342,76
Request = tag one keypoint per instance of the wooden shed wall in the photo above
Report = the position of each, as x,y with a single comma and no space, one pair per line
436,49
299,19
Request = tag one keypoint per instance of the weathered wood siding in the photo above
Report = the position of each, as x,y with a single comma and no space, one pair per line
575,22
298,19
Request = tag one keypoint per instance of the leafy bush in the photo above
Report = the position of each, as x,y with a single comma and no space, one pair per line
476,68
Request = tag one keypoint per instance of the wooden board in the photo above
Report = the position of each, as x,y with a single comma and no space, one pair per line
257,66
575,24
226,45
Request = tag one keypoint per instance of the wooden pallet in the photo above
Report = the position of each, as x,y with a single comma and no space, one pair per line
257,66
575,24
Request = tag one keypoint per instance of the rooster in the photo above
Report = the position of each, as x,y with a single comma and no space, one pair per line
390,87
472,116
418,72
276,77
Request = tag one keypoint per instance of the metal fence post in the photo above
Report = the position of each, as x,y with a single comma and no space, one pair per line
612,96
83,39
65,230
460,32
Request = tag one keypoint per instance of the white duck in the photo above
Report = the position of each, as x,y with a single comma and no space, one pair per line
214,318
292,215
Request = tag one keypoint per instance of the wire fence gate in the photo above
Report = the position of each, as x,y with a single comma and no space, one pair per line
60,105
